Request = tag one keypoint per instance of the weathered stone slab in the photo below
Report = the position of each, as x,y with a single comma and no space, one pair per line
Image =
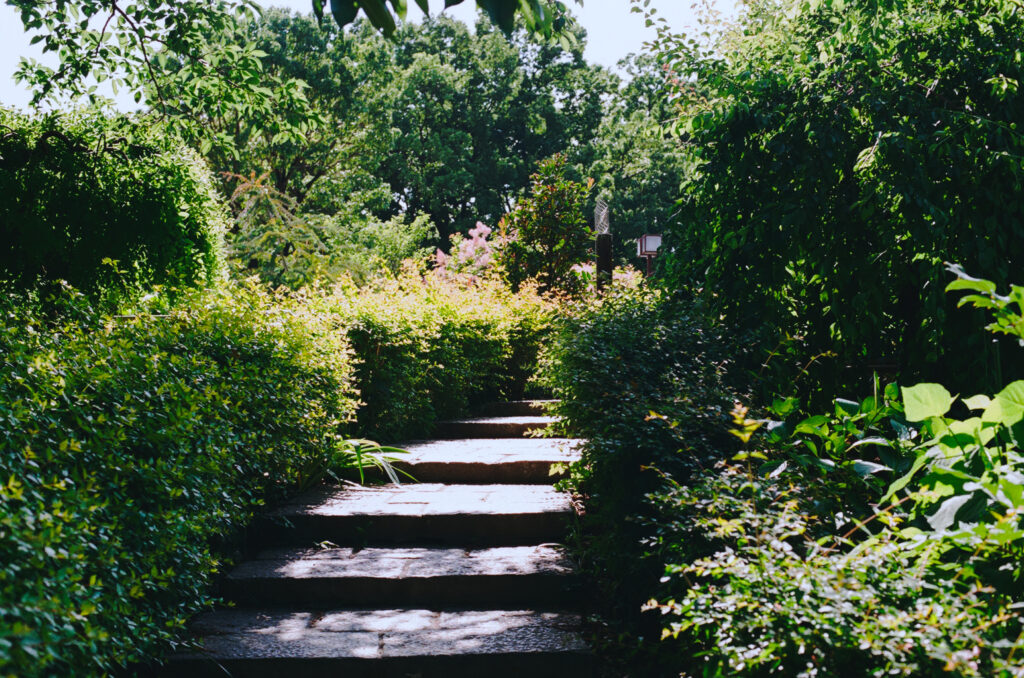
492,427
488,460
406,576
397,642
424,513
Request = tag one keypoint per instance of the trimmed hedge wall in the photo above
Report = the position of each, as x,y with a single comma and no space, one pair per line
133,447
112,215
137,447
427,349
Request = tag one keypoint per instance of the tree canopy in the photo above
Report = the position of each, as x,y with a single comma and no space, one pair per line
117,40
543,17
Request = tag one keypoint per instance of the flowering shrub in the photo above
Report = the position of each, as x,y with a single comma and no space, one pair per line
468,257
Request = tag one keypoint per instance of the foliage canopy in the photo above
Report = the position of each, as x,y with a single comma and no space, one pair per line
101,210
838,152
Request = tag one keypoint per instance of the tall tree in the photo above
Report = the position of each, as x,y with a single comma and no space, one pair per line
636,161
471,115
841,152
449,122
115,39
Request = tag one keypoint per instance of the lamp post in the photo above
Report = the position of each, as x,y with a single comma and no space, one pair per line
647,247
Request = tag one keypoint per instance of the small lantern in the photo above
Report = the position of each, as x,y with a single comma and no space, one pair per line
647,247
648,244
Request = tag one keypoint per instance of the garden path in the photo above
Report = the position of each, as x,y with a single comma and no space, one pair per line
455,575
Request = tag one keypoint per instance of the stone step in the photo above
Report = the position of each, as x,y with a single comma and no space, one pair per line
541,576
492,427
427,513
488,460
384,643
514,408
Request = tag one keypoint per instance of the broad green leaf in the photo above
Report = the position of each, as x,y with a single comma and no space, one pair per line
846,407
945,516
501,12
922,401
1011,404
344,11
816,425
783,407
978,301
978,402
865,468
1012,487
975,285
379,15
974,427
872,441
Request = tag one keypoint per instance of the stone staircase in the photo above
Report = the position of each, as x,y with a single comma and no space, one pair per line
455,575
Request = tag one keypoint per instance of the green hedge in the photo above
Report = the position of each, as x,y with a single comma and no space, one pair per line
879,538
612,364
103,213
849,150
136,447
133,448
427,349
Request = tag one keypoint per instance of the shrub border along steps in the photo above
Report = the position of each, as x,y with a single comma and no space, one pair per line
474,590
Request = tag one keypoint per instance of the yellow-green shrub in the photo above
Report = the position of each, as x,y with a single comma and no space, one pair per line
428,347
134,445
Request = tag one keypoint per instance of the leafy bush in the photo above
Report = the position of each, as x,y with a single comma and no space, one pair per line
882,538
887,520
77,200
756,584
134,447
426,348
840,152
611,363
547,233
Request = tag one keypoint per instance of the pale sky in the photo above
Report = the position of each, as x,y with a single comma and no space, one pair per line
613,32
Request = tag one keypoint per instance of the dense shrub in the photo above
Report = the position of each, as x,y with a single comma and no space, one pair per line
840,152
625,367
102,213
272,237
849,533
547,232
428,348
132,447
757,583
884,537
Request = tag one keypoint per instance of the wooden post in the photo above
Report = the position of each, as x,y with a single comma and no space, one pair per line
604,260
